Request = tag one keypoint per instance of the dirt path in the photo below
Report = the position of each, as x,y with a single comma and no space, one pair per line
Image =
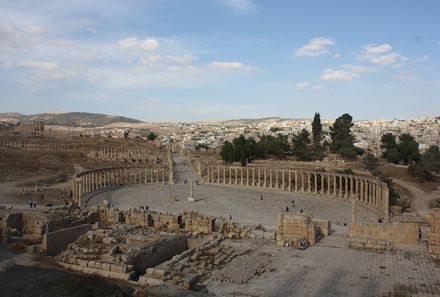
421,199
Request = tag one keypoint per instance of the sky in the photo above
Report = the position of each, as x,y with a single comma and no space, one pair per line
192,60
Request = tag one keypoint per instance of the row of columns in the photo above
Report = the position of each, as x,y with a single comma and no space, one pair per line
368,191
38,145
121,154
93,180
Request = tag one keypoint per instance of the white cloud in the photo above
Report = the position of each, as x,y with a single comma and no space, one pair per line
34,29
39,64
381,54
315,47
336,56
317,87
358,68
133,43
185,59
377,50
337,75
423,58
230,66
404,77
240,6
302,85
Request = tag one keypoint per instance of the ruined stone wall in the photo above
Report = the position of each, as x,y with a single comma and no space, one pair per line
131,155
32,145
400,231
57,241
158,252
369,192
434,234
191,222
292,228
195,222
71,220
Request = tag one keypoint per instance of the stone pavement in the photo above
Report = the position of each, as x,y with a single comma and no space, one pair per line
243,204
329,271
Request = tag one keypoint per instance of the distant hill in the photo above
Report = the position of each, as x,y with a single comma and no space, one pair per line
70,119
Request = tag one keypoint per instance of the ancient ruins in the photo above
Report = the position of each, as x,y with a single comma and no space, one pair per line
189,248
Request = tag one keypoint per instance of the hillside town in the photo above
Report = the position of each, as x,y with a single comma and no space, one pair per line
368,133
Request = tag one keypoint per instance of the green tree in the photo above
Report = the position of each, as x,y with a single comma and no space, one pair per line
432,158
429,163
300,146
227,152
318,150
151,136
342,138
408,149
243,159
317,130
371,163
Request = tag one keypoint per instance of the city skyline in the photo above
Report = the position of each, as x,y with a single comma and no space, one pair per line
221,59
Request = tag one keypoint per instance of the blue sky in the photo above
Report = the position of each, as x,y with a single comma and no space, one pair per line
189,60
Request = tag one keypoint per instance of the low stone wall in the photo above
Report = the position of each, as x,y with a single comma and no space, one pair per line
370,244
57,241
434,234
400,231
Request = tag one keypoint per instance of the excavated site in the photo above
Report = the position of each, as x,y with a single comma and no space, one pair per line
125,217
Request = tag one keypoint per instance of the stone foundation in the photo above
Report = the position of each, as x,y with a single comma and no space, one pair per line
434,234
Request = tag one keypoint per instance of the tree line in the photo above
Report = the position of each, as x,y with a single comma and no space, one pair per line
303,146
406,152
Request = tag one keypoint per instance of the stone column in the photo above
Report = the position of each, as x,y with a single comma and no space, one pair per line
283,182
259,177
316,182
247,176
265,178
309,183
152,175
367,184
362,192
302,181
296,181
386,196
329,183
322,192
209,175
346,187
241,175
335,186
289,182
230,175
270,178
218,174
224,174
163,175
351,194
253,177
80,193
340,186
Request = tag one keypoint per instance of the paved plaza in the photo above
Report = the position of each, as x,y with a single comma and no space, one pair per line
328,269
244,205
